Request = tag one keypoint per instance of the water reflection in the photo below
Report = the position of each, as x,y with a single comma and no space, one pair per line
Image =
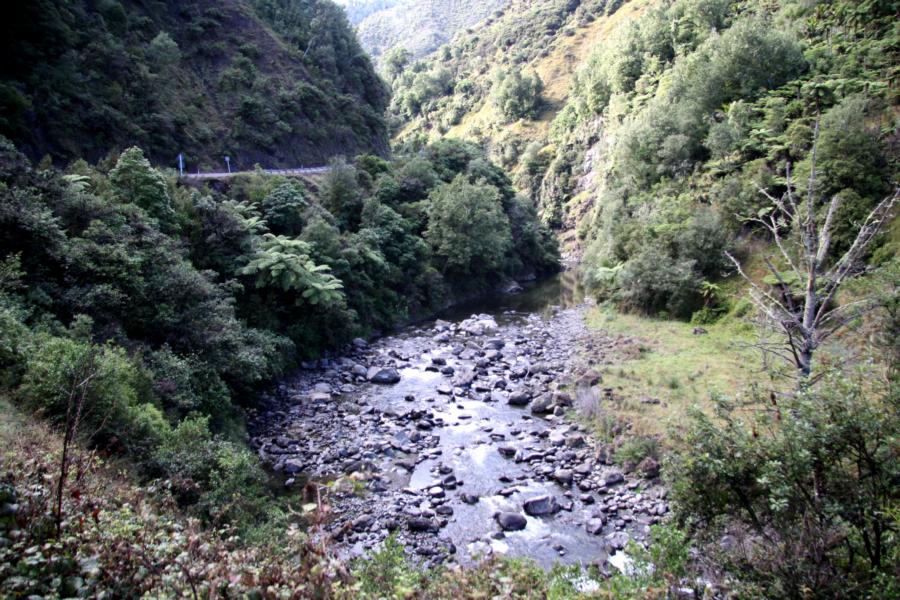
563,290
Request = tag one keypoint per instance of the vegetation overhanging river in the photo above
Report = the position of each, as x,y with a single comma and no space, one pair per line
461,436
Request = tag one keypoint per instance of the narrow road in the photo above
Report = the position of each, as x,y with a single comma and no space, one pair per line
288,172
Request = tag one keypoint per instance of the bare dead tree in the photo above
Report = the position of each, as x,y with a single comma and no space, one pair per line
802,302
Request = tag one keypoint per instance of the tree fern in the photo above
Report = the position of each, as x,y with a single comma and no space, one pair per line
285,263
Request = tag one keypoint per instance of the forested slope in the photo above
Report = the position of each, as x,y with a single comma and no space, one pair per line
419,27
644,130
274,82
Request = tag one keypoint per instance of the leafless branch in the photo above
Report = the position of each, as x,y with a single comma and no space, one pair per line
802,307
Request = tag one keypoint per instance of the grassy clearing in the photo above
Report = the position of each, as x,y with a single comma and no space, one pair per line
674,366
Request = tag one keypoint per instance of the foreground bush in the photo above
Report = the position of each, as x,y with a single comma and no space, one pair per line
800,499
119,540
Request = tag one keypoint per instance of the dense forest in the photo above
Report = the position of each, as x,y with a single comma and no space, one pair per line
724,172
271,82
670,125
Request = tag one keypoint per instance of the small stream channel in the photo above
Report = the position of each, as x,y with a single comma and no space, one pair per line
468,448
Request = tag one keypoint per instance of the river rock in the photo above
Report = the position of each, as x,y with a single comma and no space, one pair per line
594,526
562,399
494,344
511,521
464,378
511,287
383,375
422,524
479,325
649,468
613,478
292,466
563,476
590,378
542,505
362,523
519,398
408,464
541,404
617,540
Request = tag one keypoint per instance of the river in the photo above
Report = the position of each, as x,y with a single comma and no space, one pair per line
461,435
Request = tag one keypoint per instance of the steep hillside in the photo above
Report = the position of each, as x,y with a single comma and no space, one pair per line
357,10
276,82
452,93
420,26
622,119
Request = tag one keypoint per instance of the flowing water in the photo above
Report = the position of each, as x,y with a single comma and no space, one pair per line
479,422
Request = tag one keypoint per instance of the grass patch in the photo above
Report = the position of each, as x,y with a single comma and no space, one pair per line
674,367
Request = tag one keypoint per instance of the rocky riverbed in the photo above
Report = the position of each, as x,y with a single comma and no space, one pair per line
460,437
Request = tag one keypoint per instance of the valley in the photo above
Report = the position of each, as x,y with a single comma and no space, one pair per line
434,300
472,437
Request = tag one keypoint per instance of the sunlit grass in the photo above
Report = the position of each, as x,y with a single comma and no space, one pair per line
674,367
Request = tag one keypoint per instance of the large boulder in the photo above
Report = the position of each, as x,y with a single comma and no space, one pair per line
614,478
478,325
563,476
649,468
511,521
541,505
383,375
541,404
590,378
464,377
421,524
617,540
594,525
510,287
519,398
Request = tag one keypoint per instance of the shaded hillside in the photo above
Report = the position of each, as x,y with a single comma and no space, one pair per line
421,26
265,81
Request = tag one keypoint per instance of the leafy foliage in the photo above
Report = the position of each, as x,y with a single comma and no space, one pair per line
467,228
517,96
183,299
809,484
244,78
285,263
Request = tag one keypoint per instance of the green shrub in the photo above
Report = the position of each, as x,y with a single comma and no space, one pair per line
14,339
653,282
223,479
807,484
637,448
116,410
517,96
134,180
386,573
467,229
284,209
